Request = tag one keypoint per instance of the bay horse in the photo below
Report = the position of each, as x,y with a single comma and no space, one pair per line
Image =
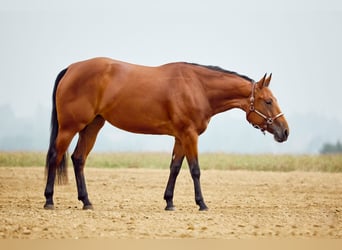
176,99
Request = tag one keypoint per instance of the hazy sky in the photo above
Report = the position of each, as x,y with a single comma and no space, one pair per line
299,41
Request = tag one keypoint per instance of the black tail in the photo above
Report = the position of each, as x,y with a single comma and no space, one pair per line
62,176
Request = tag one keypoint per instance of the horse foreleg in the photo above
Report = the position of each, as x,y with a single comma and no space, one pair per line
175,166
85,143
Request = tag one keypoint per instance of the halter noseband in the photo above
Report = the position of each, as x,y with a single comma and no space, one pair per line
269,120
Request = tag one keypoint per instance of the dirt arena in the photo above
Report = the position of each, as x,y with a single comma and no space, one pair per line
129,205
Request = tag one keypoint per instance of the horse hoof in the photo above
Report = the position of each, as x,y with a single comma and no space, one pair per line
204,208
88,207
170,208
49,207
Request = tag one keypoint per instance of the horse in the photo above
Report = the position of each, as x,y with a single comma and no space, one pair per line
175,99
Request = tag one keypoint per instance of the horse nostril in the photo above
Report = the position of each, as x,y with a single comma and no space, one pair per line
286,133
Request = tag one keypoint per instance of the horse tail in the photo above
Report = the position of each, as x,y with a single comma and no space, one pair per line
62,176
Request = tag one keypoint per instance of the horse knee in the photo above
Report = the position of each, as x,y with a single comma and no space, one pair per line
175,169
195,172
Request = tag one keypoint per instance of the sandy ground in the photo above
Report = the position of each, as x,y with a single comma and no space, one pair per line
129,204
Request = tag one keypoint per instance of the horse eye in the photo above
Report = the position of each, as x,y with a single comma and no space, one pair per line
269,101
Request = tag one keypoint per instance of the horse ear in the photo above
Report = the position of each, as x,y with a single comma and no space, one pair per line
261,82
268,80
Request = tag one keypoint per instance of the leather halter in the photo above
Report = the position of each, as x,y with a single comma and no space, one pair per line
269,120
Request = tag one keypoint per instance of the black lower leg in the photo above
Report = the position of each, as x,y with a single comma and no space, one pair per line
80,182
195,174
49,190
51,175
170,187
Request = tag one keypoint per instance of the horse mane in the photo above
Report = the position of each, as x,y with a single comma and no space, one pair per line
219,69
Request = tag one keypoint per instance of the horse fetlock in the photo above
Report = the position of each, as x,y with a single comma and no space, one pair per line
169,205
202,205
86,203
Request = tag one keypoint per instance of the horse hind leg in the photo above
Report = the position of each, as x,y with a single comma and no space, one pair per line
175,166
57,162
86,141
189,143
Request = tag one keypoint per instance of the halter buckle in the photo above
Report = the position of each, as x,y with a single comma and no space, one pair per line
269,120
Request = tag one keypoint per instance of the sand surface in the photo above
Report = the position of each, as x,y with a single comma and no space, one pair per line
128,204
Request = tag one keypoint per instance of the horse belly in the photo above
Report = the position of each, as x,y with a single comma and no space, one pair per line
139,116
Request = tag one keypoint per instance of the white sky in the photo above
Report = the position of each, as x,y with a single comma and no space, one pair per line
298,41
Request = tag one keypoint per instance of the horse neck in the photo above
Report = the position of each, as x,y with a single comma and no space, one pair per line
228,92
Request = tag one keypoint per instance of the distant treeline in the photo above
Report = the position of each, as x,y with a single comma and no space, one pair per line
329,148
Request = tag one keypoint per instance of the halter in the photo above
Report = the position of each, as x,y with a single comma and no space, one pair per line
269,120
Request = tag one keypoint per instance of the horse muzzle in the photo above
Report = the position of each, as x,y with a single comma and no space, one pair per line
281,133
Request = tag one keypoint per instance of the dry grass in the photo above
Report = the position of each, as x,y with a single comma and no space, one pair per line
220,161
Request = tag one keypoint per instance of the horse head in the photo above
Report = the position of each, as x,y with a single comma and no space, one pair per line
264,112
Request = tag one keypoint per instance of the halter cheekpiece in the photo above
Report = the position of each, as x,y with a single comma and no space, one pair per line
269,120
